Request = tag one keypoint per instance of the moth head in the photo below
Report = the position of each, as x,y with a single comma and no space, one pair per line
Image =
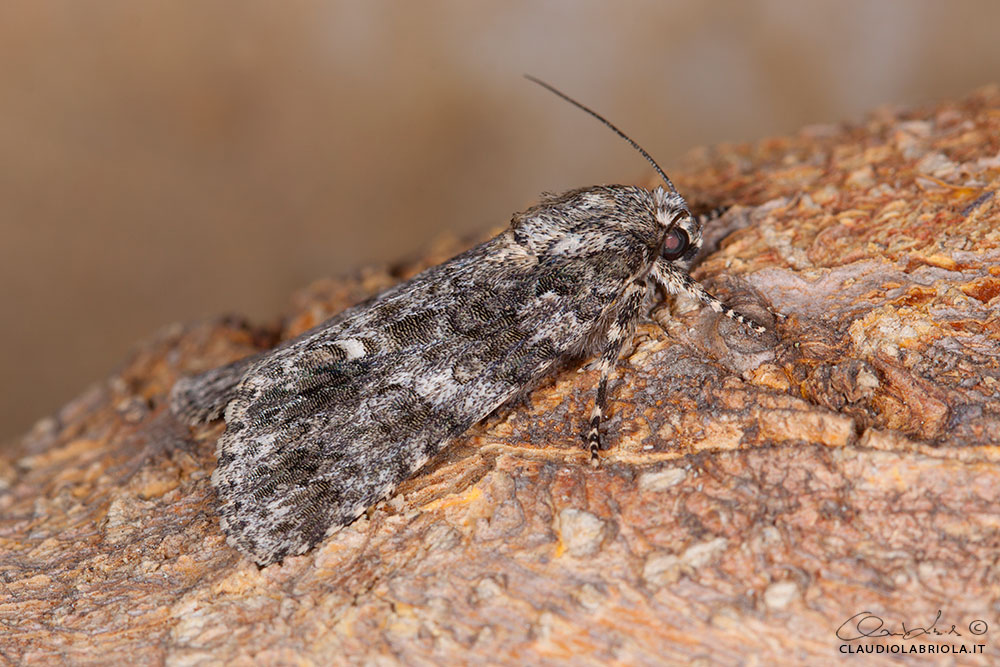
681,231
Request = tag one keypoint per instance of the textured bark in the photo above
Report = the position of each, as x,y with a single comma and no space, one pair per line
754,497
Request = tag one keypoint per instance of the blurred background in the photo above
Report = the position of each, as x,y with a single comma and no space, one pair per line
164,161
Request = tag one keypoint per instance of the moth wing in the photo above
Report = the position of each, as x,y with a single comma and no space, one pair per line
328,425
275,458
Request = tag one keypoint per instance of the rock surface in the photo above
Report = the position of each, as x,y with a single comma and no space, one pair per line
757,495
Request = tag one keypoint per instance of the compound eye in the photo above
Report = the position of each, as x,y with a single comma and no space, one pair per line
675,244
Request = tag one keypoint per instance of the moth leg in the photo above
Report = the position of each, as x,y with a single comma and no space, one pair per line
619,331
712,215
675,281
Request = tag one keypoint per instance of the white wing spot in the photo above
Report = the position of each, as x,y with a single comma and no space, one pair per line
569,245
352,347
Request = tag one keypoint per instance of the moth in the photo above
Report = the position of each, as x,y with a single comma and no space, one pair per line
327,424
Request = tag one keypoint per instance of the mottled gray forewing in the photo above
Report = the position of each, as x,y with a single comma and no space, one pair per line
326,427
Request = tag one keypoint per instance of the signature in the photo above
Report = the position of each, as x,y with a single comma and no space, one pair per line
866,624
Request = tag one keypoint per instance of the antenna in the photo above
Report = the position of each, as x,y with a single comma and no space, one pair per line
614,129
